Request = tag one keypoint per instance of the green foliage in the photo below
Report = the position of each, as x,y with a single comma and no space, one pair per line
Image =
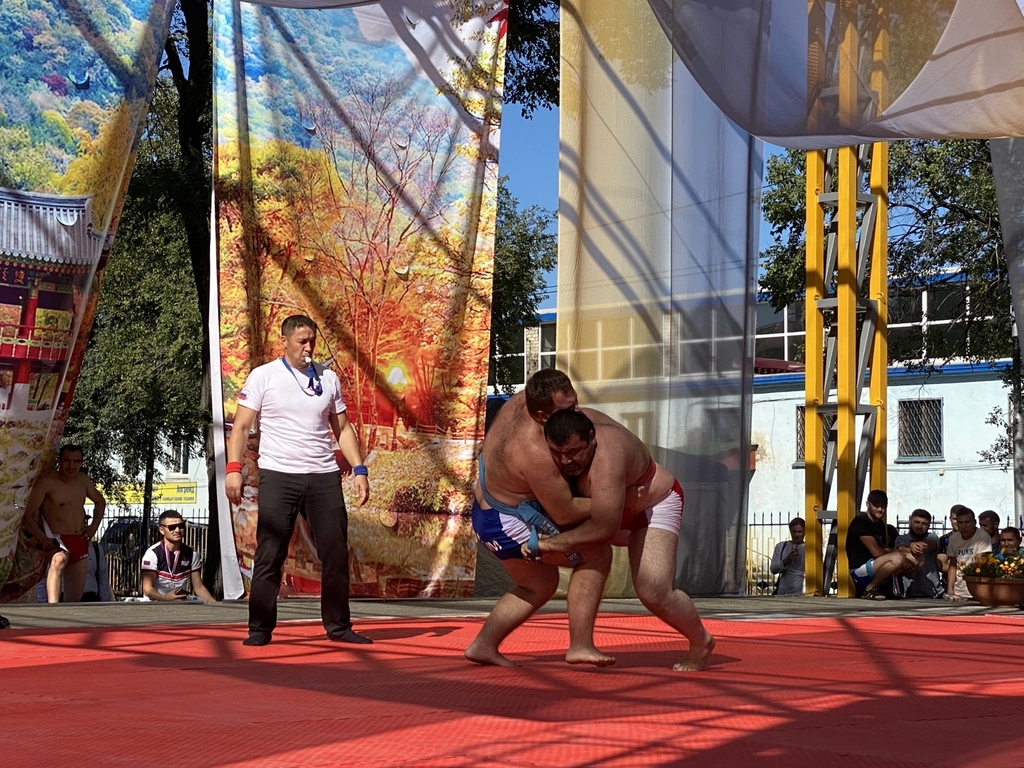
944,226
523,251
141,381
531,55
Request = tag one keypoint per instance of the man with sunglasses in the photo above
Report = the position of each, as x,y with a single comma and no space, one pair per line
169,565
302,422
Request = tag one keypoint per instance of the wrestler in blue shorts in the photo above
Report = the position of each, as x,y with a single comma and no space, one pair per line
504,529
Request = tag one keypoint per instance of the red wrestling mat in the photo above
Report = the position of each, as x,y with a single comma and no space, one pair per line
825,692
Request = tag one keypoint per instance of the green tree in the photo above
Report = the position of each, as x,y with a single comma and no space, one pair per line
944,229
139,389
523,251
532,55
186,82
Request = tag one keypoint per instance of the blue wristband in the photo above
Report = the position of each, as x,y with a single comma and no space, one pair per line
360,469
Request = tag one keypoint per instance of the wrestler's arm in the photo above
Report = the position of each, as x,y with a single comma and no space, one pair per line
348,442
240,426
554,495
99,506
35,501
608,494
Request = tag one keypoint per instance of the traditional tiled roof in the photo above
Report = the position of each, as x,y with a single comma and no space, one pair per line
40,227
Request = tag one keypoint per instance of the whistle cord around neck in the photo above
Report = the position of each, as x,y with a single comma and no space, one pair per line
314,386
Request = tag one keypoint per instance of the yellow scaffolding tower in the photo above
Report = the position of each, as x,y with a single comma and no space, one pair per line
840,256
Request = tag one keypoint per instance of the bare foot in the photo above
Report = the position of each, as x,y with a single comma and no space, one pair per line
697,657
479,654
589,656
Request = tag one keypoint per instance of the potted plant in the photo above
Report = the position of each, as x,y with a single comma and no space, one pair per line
996,579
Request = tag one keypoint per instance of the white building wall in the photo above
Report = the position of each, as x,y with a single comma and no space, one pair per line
960,478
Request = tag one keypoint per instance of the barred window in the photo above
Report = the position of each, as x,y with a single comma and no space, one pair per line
829,422
920,430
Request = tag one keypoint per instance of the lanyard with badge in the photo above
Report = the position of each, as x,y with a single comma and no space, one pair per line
172,565
314,386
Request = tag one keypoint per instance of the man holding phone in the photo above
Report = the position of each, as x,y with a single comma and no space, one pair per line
169,565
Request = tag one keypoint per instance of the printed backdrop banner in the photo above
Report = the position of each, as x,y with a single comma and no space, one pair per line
75,79
356,180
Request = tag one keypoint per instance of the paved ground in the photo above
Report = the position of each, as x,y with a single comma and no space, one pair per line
36,616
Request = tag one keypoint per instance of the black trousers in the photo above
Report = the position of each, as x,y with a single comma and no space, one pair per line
318,497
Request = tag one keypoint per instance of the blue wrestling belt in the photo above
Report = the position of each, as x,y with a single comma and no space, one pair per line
530,513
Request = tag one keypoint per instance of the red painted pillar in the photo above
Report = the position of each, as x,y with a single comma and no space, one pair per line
23,368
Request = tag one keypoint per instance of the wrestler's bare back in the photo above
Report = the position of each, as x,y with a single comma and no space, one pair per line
621,453
513,449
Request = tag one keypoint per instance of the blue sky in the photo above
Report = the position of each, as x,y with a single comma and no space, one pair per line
529,157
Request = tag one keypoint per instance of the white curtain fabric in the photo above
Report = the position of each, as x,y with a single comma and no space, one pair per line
955,69
658,217
1008,169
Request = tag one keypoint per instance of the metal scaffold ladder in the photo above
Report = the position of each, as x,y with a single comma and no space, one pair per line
847,286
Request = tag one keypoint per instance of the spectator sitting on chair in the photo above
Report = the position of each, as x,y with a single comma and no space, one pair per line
788,560
988,521
870,549
968,541
97,579
169,565
1009,541
926,579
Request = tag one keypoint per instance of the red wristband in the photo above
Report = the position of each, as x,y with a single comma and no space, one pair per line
233,466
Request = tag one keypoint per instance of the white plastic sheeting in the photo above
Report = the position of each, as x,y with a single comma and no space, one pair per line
658,220
955,69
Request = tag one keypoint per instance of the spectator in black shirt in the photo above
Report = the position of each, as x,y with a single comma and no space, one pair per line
870,549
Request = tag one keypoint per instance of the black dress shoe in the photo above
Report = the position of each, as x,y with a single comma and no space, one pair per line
350,636
257,638
4,623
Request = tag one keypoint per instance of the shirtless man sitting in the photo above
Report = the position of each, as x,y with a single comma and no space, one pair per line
60,496
517,481
605,459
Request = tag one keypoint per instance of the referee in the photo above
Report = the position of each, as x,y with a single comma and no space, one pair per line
302,420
